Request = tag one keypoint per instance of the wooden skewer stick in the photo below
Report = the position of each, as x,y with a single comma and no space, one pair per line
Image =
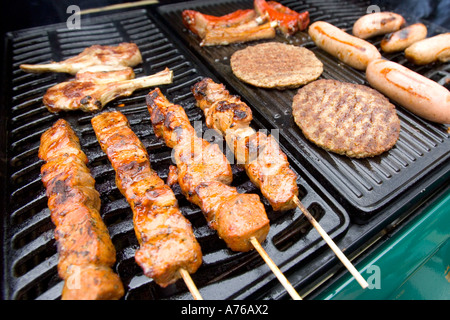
332,245
190,284
286,284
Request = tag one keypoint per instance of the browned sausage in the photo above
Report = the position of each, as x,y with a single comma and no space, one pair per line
351,50
428,50
377,23
402,39
420,95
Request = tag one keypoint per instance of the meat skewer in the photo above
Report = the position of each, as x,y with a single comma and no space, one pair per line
231,117
168,248
125,55
86,253
91,95
266,165
204,175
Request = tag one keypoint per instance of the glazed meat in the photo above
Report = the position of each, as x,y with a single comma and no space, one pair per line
266,165
92,95
124,54
204,174
200,23
249,31
288,21
165,236
238,26
86,253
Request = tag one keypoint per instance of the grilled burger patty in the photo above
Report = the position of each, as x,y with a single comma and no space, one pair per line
276,65
349,119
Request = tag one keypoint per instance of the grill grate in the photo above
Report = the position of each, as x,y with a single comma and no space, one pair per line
365,186
29,246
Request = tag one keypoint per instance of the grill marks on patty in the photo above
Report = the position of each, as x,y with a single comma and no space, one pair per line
345,118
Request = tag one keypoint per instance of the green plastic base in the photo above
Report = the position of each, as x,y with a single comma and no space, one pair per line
413,265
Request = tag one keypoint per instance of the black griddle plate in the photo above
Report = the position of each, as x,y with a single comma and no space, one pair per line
364,186
29,248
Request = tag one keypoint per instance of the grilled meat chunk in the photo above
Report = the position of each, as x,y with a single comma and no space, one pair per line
238,26
249,31
167,242
86,253
266,165
289,21
348,119
124,54
204,174
200,23
105,74
92,95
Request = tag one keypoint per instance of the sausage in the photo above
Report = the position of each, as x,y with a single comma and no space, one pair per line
428,50
351,50
377,23
402,39
420,95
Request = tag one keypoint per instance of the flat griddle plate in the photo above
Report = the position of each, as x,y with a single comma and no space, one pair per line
364,186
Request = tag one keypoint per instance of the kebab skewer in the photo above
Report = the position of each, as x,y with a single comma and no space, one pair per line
86,253
204,175
266,165
168,248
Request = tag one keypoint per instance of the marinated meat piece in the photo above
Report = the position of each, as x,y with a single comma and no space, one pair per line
86,253
266,165
203,175
199,23
249,31
92,95
166,239
124,54
289,21
238,26
348,119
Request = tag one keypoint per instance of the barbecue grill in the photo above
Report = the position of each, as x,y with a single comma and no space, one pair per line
357,202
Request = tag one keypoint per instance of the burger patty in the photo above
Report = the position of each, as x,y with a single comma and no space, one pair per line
276,65
349,119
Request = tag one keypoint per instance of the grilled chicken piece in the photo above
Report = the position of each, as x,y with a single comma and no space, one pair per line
125,54
266,165
203,175
166,239
91,95
86,253
105,74
289,21
199,23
